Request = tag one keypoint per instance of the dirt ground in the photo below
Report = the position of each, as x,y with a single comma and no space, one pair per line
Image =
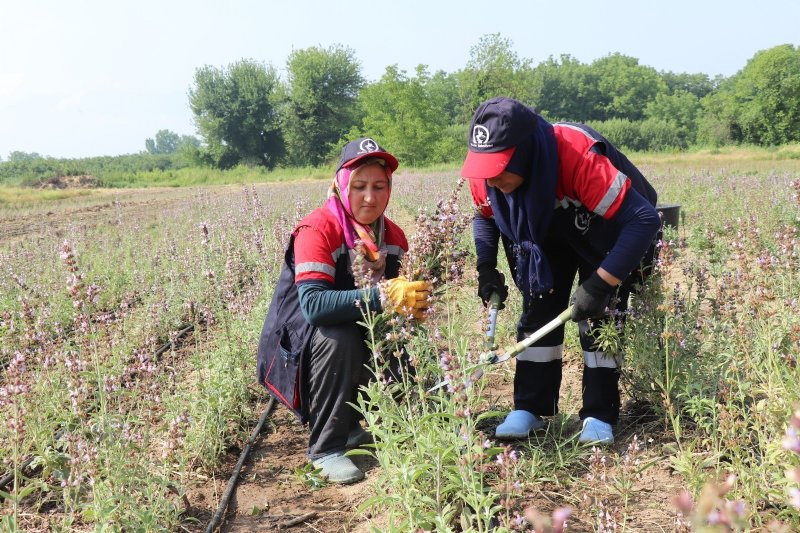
271,494
69,182
101,207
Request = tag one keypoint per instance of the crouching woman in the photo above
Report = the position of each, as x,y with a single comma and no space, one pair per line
312,351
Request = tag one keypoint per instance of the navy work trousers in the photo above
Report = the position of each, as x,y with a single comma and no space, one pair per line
336,369
537,380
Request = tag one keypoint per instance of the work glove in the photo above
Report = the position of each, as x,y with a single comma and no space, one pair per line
491,280
403,296
591,298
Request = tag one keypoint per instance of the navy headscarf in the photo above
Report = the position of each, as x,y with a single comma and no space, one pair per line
524,214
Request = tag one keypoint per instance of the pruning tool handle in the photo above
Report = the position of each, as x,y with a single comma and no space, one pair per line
494,306
541,332
508,353
493,357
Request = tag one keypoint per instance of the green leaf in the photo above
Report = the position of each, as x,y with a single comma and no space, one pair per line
489,414
25,491
359,451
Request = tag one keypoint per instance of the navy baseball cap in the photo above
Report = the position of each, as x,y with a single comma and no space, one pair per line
498,126
362,148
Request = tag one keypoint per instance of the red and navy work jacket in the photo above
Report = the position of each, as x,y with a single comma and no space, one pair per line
324,248
591,172
593,181
284,342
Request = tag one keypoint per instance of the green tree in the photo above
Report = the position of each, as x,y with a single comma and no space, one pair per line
236,115
625,87
494,69
320,101
760,104
443,89
563,89
650,134
450,143
166,142
697,84
404,114
767,94
679,109
188,152
188,140
716,123
20,157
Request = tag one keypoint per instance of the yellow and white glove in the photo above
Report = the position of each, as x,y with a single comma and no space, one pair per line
404,297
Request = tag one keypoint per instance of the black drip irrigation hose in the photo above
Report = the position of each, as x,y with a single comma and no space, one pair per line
8,478
223,504
167,345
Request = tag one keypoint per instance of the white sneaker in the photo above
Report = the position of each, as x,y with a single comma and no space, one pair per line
518,425
596,432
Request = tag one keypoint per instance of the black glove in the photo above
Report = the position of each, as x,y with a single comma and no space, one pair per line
591,298
490,280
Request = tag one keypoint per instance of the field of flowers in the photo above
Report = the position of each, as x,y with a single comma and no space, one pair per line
128,355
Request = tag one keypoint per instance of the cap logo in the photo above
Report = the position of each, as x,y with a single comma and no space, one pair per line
367,145
480,137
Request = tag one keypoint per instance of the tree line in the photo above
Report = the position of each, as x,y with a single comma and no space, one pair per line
246,113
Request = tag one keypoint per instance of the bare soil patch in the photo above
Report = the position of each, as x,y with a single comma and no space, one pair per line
271,492
103,207
69,182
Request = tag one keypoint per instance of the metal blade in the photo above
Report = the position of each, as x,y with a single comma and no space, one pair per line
490,334
500,356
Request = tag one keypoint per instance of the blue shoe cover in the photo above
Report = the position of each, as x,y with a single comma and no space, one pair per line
596,432
518,425
337,468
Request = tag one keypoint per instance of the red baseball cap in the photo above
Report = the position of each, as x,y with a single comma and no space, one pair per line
485,165
498,126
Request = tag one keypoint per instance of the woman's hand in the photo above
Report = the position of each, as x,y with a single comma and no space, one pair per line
407,297
591,298
491,281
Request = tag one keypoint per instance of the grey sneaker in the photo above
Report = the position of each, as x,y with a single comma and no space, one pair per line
337,468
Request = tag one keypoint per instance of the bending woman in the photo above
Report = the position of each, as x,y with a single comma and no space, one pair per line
564,202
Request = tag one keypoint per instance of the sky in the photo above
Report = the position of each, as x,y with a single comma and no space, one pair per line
81,78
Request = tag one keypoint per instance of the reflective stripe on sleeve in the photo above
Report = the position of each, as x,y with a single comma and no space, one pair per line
311,266
580,130
393,249
601,360
611,194
542,354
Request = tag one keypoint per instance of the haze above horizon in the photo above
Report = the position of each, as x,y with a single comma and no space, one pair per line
94,78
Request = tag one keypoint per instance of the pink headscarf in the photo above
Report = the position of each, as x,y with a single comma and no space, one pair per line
338,202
